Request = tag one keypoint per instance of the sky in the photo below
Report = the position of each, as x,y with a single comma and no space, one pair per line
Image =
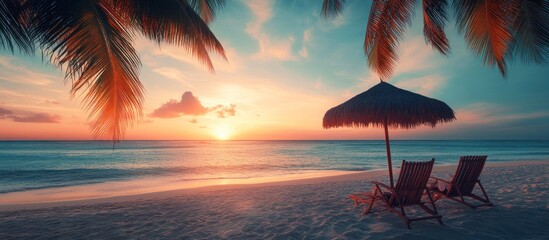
286,67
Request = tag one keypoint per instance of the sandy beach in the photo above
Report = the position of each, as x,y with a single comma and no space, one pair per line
314,208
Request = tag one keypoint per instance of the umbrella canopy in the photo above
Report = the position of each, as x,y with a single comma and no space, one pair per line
388,106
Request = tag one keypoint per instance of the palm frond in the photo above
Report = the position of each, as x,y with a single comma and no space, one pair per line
531,30
174,22
434,19
207,8
487,28
386,26
91,40
332,8
13,31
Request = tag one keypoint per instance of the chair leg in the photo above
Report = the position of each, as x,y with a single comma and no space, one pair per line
462,202
486,199
369,207
435,211
401,214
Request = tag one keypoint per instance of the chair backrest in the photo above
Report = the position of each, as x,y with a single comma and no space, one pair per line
467,174
412,180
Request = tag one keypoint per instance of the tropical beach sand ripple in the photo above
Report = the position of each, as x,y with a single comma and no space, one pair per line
318,210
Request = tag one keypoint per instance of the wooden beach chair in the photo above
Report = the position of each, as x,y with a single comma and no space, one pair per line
408,191
464,181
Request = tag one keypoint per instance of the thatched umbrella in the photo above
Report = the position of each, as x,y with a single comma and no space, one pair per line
388,106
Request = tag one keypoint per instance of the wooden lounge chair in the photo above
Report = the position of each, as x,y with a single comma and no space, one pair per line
409,189
464,181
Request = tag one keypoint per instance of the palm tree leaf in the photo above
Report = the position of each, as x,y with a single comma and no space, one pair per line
332,8
386,26
531,31
13,31
207,8
487,28
91,40
175,22
434,19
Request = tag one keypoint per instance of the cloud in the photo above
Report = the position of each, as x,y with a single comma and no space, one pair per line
424,85
37,118
193,120
224,111
304,53
417,69
4,113
486,114
307,35
269,48
262,10
145,121
327,25
190,105
51,101
415,56
29,117
152,52
22,75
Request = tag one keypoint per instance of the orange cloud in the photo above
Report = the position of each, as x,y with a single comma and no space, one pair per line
37,118
223,111
4,113
51,101
190,105
29,117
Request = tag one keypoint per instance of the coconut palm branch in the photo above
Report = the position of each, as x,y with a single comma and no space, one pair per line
92,41
385,29
434,20
332,8
494,30
176,22
13,33
206,8
486,26
531,31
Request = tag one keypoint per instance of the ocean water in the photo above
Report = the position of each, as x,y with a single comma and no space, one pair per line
28,165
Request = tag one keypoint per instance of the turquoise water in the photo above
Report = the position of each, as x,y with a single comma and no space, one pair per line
27,165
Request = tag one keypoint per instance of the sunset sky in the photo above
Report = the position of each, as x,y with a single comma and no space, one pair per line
286,67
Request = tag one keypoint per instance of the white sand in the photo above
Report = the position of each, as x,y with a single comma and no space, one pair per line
299,209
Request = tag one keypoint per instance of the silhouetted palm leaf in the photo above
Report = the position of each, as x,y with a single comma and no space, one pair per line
384,31
493,29
434,19
13,33
91,40
206,8
331,8
486,24
531,30
175,22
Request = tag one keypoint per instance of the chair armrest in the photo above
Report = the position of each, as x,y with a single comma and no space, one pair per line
383,185
442,180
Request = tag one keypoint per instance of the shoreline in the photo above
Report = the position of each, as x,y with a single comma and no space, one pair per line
290,180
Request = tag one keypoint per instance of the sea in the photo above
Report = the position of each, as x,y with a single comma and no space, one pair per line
32,165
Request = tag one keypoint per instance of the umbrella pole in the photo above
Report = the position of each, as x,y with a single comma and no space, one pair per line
388,153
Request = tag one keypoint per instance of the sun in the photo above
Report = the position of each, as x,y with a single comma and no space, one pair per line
222,132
